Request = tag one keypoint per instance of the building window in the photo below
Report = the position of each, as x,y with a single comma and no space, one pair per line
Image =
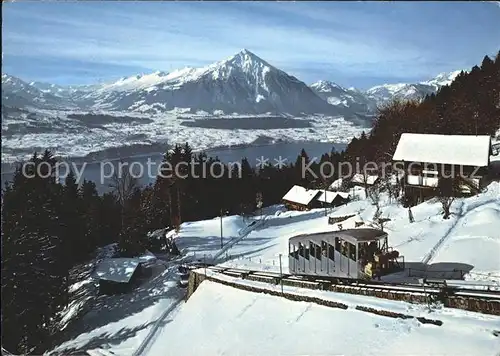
324,247
352,251
343,247
331,252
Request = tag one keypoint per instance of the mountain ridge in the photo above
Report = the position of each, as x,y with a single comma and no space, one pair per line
241,83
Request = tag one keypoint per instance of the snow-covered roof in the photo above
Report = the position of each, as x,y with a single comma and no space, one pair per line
157,234
336,184
147,258
117,269
300,195
467,150
359,178
329,197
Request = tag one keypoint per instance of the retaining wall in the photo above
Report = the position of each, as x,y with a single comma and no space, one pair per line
470,304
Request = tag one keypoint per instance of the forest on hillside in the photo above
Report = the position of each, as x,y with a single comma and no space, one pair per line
470,105
48,227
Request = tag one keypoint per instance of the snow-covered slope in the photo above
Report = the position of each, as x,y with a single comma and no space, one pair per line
243,323
220,320
66,92
443,79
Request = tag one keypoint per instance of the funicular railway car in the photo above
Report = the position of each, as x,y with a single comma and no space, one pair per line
361,253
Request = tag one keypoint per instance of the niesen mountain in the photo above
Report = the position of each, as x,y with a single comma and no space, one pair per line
243,84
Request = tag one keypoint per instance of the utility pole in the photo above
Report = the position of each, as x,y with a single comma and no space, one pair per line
475,120
326,212
221,243
281,276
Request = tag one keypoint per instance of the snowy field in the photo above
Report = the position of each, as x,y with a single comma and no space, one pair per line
222,319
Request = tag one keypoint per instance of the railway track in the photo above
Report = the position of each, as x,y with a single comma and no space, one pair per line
321,282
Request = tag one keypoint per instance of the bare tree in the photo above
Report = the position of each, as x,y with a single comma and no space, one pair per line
123,183
374,195
365,182
447,191
387,182
410,216
446,205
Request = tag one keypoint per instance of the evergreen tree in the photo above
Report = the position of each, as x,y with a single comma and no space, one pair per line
72,222
34,265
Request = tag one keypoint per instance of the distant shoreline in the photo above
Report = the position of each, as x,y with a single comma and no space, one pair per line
85,159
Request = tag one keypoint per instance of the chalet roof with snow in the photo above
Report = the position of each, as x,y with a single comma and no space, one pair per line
337,184
147,258
117,269
300,195
360,178
328,197
465,150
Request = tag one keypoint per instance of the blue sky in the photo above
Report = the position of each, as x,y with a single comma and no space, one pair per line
357,44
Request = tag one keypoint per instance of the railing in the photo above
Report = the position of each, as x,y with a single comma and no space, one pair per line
334,220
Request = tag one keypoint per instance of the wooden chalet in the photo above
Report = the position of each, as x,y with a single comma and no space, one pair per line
332,199
121,275
300,198
425,160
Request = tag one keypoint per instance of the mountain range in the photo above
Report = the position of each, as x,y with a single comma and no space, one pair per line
243,83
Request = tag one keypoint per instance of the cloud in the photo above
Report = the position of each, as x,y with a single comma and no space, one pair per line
352,38
198,37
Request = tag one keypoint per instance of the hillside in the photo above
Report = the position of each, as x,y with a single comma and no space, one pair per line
239,315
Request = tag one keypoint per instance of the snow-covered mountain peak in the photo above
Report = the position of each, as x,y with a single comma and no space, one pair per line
325,86
339,96
386,92
243,63
443,79
244,58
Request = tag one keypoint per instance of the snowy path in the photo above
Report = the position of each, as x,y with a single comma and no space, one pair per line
153,332
430,255
465,209
245,232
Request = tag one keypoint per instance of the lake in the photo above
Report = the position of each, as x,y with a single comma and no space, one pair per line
288,151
